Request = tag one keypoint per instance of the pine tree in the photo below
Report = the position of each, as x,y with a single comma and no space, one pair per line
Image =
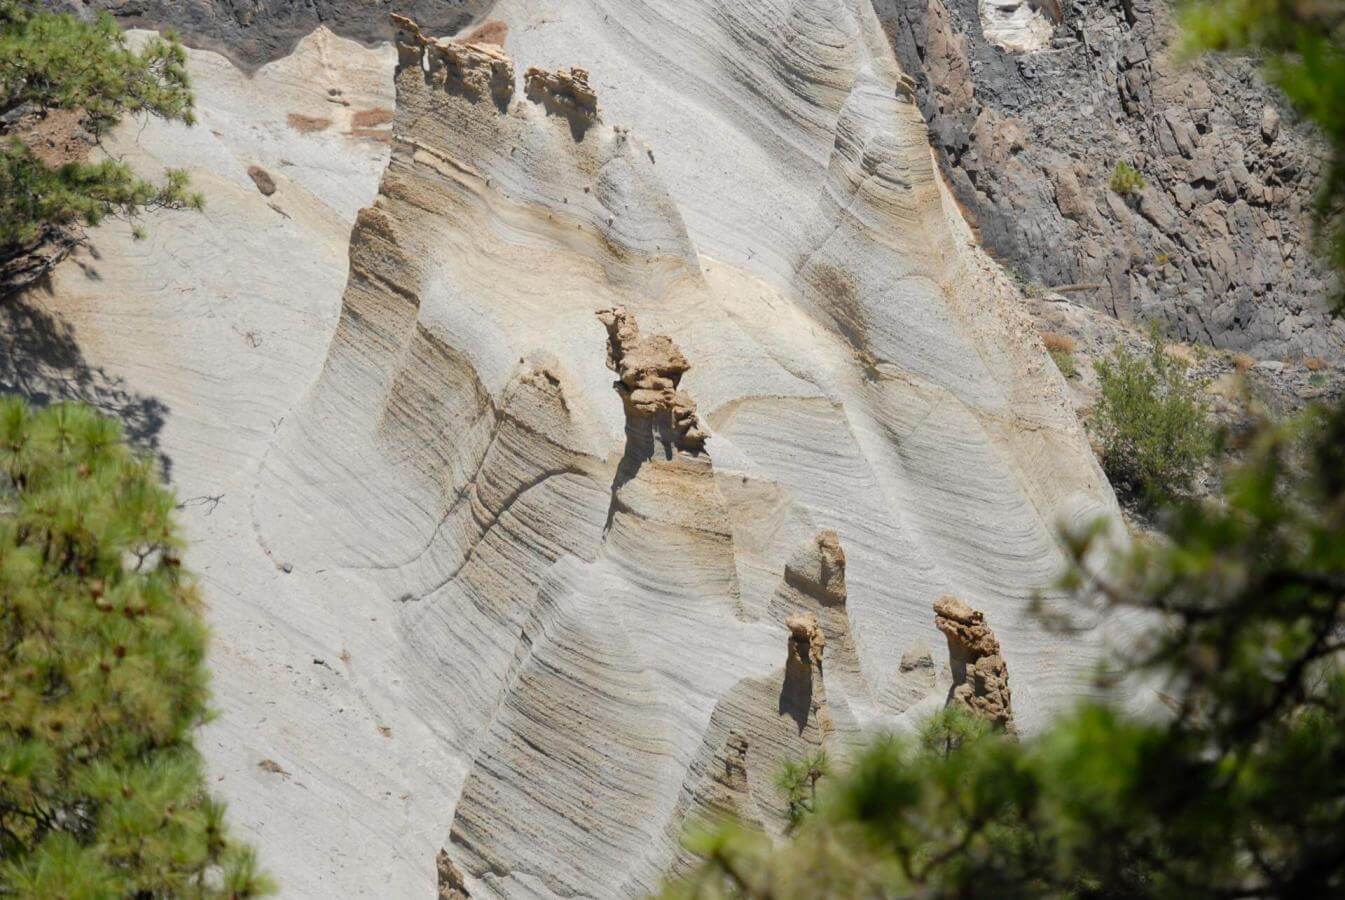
50,62
102,676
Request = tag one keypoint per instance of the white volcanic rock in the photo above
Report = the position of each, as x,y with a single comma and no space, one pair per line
468,596
1019,25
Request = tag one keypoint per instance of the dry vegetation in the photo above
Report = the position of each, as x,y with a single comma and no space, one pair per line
1061,347
1181,353
1063,343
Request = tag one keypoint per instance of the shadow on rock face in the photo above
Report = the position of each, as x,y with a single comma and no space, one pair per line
796,692
42,362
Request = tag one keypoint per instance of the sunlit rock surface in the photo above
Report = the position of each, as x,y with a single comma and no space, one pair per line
470,592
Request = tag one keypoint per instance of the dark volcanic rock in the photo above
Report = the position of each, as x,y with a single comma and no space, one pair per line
1216,246
254,32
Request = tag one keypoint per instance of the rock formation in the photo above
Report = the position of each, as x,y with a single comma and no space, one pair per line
1030,104
566,90
811,599
806,641
262,179
556,640
915,681
980,676
1019,25
820,571
650,368
475,70
452,885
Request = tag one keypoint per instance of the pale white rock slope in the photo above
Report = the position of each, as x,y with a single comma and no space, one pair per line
475,582
1019,25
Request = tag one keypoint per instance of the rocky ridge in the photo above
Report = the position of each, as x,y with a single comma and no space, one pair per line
1216,246
253,33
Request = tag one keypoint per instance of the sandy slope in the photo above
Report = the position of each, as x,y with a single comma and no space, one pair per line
463,597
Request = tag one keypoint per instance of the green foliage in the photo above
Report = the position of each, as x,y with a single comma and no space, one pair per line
1126,179
50,61
1151,421
1303,54
34,195
102,677
1064,361
797,783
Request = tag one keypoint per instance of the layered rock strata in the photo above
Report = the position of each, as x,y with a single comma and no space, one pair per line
474,69
462,593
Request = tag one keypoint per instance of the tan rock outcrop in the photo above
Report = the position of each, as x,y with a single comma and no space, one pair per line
650,368
566,89
980,676
452,885
820,571
803,693
806,641
475,70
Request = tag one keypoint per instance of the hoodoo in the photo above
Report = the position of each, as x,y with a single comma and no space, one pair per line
980,677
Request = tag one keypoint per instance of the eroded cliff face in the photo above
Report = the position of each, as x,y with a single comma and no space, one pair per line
579,565
582,450
1031,104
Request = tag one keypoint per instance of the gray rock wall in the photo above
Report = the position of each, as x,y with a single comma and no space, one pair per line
1217,246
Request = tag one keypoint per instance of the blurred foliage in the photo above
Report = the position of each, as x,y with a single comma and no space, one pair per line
102,676
797,783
